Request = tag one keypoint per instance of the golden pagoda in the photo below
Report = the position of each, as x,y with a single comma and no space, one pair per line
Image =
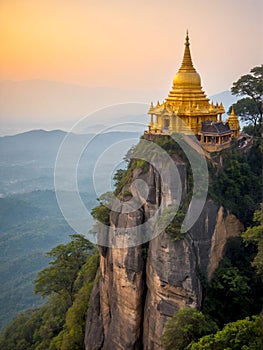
234,123
186,105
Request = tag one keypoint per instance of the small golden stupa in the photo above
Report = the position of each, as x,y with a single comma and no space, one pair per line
234,123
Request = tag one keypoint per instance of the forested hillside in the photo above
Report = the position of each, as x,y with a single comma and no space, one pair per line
30,225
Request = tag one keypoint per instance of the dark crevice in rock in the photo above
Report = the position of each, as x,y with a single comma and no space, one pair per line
144,295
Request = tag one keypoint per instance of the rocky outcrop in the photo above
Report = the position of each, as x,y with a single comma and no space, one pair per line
173,269
139,288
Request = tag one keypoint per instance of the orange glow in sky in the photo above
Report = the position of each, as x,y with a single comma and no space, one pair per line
129,43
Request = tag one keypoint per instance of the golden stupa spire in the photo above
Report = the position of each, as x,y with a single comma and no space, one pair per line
187,64
233,114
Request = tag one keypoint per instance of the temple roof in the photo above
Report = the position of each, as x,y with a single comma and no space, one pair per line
210,127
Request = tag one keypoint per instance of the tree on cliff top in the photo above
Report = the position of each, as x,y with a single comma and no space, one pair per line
250,86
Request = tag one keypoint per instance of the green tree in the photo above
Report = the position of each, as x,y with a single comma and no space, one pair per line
247,110
21,332
237,185
185,326
59,324
255,234
61,275
250,86
73,333
53,319
240,335
101,213
235,290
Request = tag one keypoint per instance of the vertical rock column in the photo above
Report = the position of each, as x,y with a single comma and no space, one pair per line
172,284
121,287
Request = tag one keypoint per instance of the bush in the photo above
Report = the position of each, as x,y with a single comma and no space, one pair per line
185,326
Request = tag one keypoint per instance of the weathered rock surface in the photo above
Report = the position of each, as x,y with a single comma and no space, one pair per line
136,294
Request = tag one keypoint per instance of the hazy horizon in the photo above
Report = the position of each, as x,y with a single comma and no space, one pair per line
52,105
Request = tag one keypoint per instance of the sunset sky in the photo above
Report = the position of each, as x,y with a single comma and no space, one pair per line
129,44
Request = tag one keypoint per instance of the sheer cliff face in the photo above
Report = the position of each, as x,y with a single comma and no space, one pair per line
137,293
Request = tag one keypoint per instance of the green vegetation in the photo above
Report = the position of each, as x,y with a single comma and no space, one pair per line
171,223
101,213
185,326
123,177
61,275
240,335
254,234
250,107
237,184
59,324
235,289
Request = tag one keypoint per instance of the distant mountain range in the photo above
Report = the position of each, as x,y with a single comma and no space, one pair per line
50,105
27,160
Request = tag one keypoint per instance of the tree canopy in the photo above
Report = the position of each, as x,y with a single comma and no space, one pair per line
60,276
240,335
250,86
185,326
60,323
254,234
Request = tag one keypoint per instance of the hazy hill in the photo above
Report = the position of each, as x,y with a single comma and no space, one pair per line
30,225
27,160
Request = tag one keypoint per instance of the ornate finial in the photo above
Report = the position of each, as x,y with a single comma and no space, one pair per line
187,64
233,111
187,39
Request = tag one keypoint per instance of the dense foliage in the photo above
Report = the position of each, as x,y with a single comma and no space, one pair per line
244,334
59,324
61,275
237,184
235,290
249,108
255,234
185,326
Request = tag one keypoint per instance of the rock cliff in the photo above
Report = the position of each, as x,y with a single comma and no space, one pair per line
139,288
